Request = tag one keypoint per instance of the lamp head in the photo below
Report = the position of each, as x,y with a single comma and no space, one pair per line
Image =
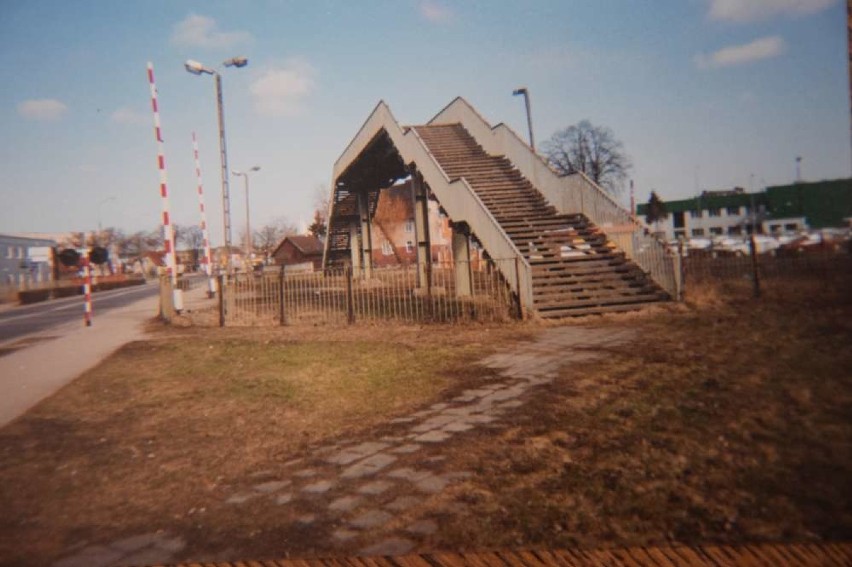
255,168
520,91
237,173
236,62
196,68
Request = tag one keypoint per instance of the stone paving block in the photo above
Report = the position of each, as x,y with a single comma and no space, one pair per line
305,473
320,487
390,546
512,404
402,420
403,503
434,423
307,519
170,544
94,556
462,411
148,556
375,487
345,503
342,534
271,486
352,454
408,474
432,437
283,498
370,519
368,466
422,413
133,543
240,498
406,449
423,527
438,406
458,427
432,484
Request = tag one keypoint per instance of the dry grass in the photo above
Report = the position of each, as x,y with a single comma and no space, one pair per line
727,422
165,424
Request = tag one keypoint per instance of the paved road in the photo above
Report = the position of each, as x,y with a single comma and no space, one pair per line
40,317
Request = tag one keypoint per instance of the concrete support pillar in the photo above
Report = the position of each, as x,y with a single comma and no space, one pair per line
421,231
461,261
355,248
366,234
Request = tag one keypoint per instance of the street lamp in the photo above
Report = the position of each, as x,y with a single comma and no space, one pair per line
523,91
197,68
245,175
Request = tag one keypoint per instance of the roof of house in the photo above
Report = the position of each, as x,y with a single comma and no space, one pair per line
305,244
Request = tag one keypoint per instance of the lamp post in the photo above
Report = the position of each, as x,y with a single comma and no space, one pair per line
245,176
197,68
523,91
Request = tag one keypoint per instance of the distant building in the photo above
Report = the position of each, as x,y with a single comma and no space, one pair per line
295,250
781,208
392,228
25,260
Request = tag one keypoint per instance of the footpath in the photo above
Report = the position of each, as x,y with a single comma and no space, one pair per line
29,375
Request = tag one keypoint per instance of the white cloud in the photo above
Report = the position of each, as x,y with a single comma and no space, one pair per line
126,115
435,12
203,31
741,11
762,48
42,109
281,91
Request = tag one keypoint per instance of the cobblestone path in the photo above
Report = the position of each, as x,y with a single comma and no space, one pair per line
348,491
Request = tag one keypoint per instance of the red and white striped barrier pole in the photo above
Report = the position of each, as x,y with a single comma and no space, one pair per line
207,261
87,289
168,235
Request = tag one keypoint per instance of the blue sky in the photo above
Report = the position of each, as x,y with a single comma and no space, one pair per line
704,94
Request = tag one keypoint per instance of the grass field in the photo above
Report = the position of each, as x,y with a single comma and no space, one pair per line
727,420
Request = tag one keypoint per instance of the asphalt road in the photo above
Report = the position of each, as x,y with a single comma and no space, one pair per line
41,317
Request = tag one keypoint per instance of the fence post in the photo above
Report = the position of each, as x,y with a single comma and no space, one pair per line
221,283
281,320
350,300
680,271
167,310
755,278
518,288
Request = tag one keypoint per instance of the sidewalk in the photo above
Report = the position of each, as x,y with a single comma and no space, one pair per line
31,374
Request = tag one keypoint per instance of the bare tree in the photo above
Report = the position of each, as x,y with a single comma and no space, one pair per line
656,210
593,150
267,237
319,226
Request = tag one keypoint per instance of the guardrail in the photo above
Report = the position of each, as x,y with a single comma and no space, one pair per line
570,194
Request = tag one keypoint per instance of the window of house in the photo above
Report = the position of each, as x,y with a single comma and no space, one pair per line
409,226
697,232
679,233
717,230
774,227
791,226
695,214
735,230
387,249
714,212
409,246
733,211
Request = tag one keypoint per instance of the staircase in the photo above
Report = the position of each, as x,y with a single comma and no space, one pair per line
575,270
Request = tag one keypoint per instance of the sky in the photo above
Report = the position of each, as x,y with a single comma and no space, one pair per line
704,94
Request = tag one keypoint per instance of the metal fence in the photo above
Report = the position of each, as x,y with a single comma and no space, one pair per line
705,267
339,296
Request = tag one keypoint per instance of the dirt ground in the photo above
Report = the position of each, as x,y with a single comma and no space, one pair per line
727,420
